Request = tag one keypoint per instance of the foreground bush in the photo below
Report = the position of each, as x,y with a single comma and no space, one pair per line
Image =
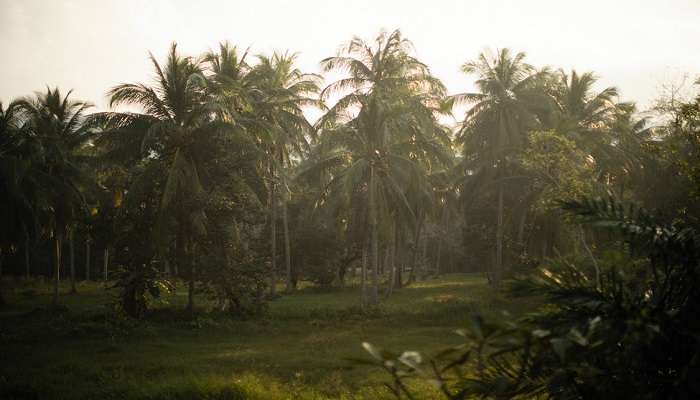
635,334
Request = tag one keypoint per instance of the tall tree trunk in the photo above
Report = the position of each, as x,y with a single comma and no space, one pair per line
416,245
71,250
394,264
498,270
105,262
190,288
521,231
57,268
375,264
447,241
390,262
2,298
363,272
273,235
443,216
287,249
27,263
167,268
87,259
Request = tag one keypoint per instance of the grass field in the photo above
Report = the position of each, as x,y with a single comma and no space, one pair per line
300,350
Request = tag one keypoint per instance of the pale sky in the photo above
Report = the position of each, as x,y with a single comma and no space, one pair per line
90,45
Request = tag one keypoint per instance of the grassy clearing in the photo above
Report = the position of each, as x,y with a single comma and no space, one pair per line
300,350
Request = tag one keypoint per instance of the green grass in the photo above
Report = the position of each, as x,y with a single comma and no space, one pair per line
300,350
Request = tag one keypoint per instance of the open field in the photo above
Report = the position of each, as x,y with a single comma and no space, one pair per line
300,350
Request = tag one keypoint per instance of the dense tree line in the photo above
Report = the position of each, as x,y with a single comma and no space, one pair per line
217,177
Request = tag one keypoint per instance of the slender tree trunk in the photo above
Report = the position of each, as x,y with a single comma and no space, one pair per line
395,265
498,273
287,249
375,264
424,258
416,246
447,241
190,288
363,272
57,268
105,262
27,263
2,298
390,262
273,235
443,216
167,267
521,232
87,259
71,250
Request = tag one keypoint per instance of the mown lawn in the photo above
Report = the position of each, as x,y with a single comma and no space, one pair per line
300,350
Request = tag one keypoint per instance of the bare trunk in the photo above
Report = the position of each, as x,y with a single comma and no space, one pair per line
287,249
190,288
167,268
416,245
105,261
443,216
27,263
273,236
2,298
57,268
375,264
87,259
71,250
498,270
363,272
394,264
390,261
521,231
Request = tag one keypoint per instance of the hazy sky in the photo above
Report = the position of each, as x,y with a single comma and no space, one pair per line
90,45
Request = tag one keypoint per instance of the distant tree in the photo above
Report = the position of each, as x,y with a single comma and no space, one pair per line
386,111
60,129
494,131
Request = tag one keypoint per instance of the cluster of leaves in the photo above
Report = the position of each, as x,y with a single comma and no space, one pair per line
633,335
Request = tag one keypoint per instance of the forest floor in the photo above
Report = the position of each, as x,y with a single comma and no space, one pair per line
300,350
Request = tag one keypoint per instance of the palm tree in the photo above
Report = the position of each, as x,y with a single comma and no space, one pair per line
495,128
282,93
372,136
177,116
59,126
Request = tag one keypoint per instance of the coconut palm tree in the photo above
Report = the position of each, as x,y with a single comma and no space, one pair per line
177,114
59,127
383,122
506,107
283,91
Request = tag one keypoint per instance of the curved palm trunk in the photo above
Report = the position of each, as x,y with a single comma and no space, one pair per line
287,250
58,241
71,250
